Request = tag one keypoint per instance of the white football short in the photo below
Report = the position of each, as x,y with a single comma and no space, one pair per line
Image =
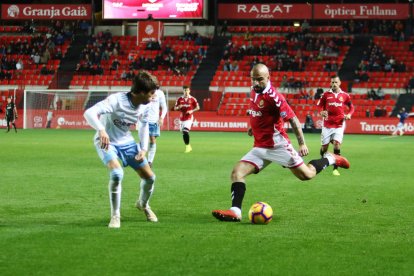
400,126
332,134
186,124
283,154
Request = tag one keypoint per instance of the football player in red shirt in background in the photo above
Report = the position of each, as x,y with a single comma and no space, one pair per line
187,104
268,111
333,105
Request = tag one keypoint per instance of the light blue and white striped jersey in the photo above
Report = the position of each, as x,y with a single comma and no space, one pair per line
157,102
116,114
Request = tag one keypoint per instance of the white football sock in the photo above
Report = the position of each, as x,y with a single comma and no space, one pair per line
236,210
115,190
151,152
147,187
330,158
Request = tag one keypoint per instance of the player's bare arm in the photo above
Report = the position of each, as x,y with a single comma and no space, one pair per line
250,131
297,129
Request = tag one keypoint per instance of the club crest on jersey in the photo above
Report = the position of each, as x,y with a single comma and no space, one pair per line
261,104
341,99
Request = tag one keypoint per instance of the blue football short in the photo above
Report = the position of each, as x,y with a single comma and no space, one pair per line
125,153
154,129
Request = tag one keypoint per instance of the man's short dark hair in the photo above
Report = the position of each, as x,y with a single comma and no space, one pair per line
185,87
144,82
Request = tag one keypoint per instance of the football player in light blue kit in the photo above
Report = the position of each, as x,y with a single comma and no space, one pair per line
155,120
112,118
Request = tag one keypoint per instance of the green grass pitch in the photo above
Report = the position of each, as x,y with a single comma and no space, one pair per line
54,210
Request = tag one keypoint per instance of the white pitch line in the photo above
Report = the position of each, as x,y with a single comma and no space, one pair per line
386,137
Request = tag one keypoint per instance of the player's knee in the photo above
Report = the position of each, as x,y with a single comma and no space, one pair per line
117,174
237,175
305,177
306,173
150,180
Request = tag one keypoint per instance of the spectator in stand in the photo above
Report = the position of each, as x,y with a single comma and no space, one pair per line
19,65
36,58
379,111
357,76
380,93
303,94
400,67
196,60
124,75
364,77
327,67
334,67
284,84
388,67
227,65
99,70
45,57
305,27
58,54
311,94
234,66
44,70
115,65
153,45
309,124
372,95
130,75
247,36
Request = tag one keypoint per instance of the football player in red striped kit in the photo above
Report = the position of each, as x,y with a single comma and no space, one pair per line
335,107
268,112
187,105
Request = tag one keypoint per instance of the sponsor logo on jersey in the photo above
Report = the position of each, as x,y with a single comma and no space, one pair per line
254,113
122,124
335,104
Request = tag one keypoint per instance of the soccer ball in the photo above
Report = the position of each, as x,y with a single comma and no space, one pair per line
260,213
